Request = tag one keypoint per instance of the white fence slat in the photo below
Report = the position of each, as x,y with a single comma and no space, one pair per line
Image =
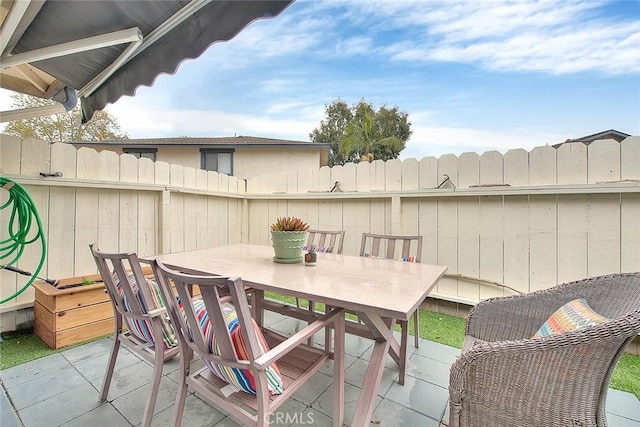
236,185
491,168
63,159
468,170
354,227
109,166
255,227
542,166
377,176
573,211
448,165
363,176
189,177
378,220
128,168
630,233
572,163
233,224
176,175
516,242
630,158
162,173
10,150
223,183
428,229
393,175
128,225
409,214
88,164
491,243
176,221
604,161
516,167
543,241
146,171
148,223
108,219
348,182
35,157
448,243
604,234
191,226
87,225
61,231
428,173
213,181
212,230
410,174
323,181
337,176
468,244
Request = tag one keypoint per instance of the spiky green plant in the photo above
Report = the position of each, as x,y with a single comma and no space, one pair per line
289,224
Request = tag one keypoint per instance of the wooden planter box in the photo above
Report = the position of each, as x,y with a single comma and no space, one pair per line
72,315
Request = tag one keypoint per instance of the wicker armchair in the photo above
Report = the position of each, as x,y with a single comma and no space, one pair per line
505,378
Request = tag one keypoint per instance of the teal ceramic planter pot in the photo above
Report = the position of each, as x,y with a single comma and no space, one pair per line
287,246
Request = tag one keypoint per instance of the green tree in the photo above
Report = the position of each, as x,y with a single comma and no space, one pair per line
62,127
360,130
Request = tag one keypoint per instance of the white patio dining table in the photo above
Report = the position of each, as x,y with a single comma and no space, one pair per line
379,291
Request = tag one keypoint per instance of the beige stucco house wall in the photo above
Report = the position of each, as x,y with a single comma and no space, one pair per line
261,161
252,156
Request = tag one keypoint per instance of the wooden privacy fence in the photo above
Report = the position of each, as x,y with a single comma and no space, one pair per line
525,219
529,220
120,202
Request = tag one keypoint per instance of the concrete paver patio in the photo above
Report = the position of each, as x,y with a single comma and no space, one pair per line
63,389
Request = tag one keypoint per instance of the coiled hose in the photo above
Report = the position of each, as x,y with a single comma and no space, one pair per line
22,217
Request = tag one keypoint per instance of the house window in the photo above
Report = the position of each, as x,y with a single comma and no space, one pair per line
220,161
147,153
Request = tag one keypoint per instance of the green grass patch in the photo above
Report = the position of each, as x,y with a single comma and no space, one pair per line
626,376
17,348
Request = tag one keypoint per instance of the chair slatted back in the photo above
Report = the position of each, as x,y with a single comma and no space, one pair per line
325,238
119,266
373,245
215,292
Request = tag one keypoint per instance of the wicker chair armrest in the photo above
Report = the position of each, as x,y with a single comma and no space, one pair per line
519,316
538,381
512,318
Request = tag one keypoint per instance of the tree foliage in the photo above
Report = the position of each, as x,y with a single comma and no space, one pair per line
359,131
62,127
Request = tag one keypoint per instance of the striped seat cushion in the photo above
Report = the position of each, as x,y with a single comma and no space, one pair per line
243,379
325,249
572,316
403,259
142,328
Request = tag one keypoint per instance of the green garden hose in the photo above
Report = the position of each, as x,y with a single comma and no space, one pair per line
22,217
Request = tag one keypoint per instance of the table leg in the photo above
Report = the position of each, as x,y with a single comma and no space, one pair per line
383,335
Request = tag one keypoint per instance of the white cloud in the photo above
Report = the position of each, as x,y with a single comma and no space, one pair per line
436,140
546,36
359,45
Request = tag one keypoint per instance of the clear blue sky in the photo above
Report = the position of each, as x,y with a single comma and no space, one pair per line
473,75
